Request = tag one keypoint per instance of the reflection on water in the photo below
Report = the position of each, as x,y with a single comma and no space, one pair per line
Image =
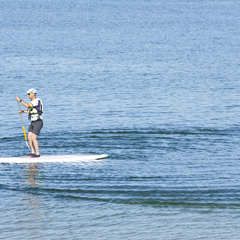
33,204
32,176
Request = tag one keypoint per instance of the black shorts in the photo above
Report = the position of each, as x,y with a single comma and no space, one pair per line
36,126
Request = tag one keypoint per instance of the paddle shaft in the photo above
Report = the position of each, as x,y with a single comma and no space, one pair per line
24,132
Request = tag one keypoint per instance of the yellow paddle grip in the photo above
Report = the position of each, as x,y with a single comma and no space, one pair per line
24,133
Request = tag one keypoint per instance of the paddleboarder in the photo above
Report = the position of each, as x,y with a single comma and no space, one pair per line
35,110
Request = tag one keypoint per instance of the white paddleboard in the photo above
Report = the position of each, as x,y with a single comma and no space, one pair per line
54,158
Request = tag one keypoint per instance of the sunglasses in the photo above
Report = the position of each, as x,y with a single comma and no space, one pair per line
29,94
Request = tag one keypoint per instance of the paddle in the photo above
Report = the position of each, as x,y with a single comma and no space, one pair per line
23,127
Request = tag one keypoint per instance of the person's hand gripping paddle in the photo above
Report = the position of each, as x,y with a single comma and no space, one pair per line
23,127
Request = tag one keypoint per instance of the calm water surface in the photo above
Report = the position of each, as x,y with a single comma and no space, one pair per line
153,84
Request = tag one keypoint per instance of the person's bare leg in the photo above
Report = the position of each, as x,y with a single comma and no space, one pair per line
35,143
30,140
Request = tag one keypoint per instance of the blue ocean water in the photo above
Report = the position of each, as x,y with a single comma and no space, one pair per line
152,83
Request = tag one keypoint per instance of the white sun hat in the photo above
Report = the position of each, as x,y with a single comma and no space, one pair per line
31,90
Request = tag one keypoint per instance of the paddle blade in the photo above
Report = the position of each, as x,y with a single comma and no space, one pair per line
28,145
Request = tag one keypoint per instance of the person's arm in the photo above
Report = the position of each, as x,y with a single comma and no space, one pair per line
24,111
27,105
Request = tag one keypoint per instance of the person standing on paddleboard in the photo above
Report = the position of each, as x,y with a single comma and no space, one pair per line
35,110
